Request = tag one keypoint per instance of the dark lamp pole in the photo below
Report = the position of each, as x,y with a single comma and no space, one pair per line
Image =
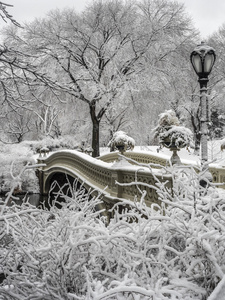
202,59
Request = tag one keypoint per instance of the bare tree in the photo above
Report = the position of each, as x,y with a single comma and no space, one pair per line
16,124
91,54
94,56
47,117
116,120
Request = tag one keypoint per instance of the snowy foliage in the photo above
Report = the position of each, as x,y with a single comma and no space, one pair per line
170,133
179,135
168,118
53,144
174,250
120,138
13,158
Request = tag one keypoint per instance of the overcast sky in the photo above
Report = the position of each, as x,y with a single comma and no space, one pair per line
207,15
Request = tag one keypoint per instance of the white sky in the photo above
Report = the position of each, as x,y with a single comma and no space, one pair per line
207,15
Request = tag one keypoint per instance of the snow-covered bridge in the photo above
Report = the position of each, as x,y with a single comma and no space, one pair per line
106,173
103,174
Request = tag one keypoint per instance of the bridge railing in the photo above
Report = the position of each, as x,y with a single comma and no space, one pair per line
102,176
145,158
217,171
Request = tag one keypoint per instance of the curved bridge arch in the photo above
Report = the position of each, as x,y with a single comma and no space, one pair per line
58,170
99,176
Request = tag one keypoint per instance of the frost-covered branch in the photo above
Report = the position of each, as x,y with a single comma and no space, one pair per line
174,249
4,14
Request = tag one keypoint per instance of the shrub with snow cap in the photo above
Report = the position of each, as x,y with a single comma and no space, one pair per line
121,140
170,133
168,118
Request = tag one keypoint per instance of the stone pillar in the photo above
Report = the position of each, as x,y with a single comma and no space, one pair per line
117,190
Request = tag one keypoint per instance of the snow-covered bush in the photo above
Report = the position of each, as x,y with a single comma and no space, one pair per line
179,136
13,158
121,141
168,118
174,250
170,133
52,144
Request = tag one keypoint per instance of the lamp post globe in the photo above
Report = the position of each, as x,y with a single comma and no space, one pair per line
202,59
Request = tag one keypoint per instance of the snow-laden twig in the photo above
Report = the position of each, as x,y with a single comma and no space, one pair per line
170,251
16,182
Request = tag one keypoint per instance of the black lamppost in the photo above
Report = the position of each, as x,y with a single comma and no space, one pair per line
203,58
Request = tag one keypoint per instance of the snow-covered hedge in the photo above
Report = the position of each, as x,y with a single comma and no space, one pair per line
174,250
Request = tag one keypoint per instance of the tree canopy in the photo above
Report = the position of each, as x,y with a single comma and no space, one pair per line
107,53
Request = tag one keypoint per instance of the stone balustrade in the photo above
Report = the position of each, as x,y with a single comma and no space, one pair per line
144,158
218,172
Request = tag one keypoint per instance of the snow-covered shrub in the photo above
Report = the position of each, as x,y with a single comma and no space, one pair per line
170,133
180,136
121,140
170,251
13,158
53,143
168,118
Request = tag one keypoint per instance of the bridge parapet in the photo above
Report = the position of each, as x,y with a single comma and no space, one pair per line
145,158
101,176
217,171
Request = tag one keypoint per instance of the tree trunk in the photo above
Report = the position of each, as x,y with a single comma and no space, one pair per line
197,139
95,130
95,138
